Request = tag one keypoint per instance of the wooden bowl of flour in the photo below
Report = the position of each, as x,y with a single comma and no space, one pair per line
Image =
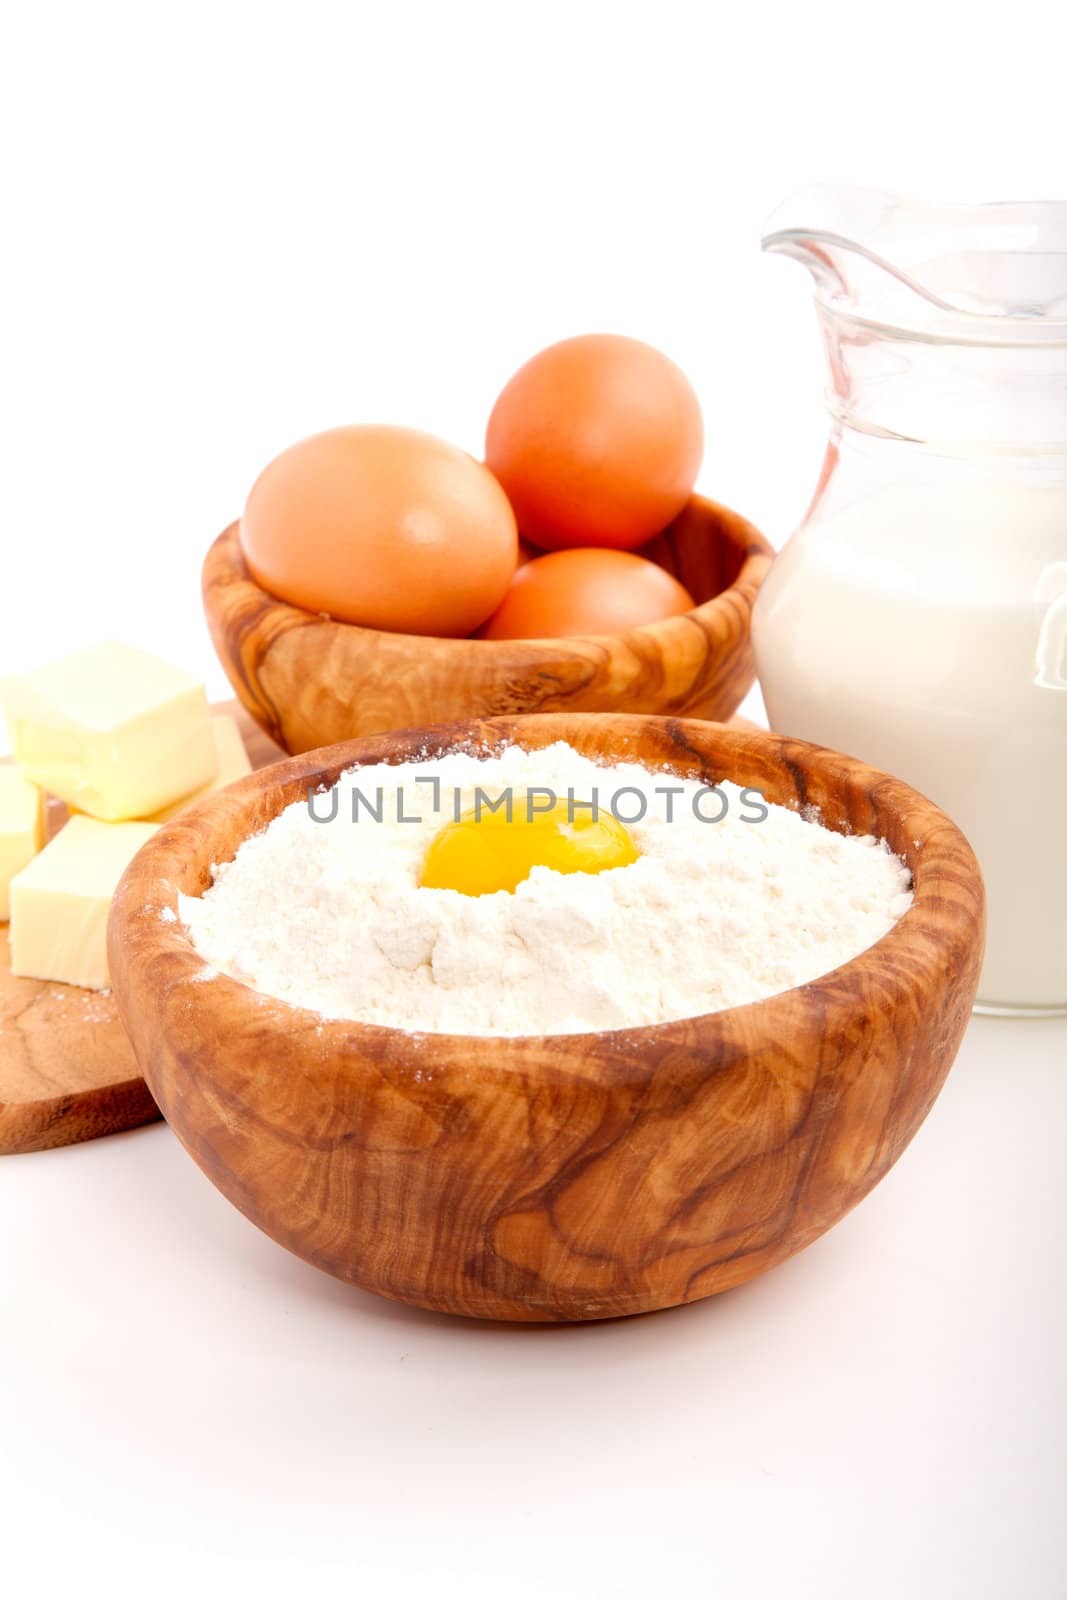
573,1176
311,681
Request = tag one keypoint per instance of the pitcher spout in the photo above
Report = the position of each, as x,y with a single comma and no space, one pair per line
972,274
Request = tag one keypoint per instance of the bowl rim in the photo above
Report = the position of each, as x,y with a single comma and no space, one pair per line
755,550
946,918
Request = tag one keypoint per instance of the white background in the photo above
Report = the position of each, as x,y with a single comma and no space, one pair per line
226,226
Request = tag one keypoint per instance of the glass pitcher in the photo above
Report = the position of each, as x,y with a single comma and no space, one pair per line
918,618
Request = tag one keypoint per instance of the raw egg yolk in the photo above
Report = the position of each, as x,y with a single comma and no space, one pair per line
485,851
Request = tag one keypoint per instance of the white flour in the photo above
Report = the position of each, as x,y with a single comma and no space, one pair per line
329,915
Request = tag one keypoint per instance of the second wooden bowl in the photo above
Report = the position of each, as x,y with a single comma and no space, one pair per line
579,1175
310,681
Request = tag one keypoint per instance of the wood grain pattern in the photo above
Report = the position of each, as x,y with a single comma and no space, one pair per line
568,1177
67,1071
310,681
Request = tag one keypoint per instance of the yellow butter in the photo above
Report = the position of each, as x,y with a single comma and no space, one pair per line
21,827
60,901
231,763
112,730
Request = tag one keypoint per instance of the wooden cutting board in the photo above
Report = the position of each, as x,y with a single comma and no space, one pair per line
67,1071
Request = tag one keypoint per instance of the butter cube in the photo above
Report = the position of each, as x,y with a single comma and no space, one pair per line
60,901
21,827
231,763
112,730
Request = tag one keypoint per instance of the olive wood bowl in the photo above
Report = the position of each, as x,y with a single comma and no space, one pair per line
310,681
573,1176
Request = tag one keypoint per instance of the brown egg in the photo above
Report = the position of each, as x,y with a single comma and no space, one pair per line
585,591
383,526
597,441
